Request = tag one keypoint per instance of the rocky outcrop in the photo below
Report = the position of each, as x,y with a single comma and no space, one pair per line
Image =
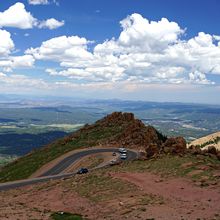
152,150
174,145
195,149
131,133
212,150
123,129
116,118
218,155
136,134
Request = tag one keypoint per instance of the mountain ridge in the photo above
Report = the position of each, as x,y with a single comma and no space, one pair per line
116,129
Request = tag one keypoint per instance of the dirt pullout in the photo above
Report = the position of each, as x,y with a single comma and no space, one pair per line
182,199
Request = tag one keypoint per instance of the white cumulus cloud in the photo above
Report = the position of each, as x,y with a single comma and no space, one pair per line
142,34
38,2
43,2
18,81
18,17
198,77
6,43
62,49
2,75
145,51
14,62
51,24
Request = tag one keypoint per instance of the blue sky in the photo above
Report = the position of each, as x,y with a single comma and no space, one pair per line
157,50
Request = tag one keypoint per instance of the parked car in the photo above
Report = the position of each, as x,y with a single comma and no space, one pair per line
123,156
82,170
114,154
122,150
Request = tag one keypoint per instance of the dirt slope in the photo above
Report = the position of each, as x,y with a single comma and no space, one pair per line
210,140
180,197
117,193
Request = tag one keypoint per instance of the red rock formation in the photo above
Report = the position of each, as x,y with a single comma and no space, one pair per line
175,145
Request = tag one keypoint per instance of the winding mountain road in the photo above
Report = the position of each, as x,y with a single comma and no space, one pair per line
56,172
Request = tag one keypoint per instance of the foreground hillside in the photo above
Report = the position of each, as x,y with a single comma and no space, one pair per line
208,141
169,187
115,130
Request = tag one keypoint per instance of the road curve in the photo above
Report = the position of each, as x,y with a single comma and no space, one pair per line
66,162
56,171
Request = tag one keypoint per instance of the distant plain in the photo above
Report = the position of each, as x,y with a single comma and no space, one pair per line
28,124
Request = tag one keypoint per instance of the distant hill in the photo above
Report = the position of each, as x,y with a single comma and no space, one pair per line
207,141
116,129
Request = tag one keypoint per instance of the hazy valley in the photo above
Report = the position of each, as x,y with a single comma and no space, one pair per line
26,124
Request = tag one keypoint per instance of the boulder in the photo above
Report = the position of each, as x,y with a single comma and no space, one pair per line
218,155
152,150
195,149
212,150
174,145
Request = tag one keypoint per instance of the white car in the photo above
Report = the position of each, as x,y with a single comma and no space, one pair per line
123,156
122,150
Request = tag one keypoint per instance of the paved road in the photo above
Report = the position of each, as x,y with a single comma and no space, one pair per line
62,165
56,171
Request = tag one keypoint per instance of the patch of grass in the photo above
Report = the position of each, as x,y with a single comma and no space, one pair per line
170,165
6,159
143,209
95,162
99,187
149,199
27,165
89,162
65,216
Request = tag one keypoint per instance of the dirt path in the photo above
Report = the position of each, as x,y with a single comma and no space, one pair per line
182,199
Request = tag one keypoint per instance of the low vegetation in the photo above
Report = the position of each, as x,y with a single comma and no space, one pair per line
93,162
99,187
65,216
88,162
25,166
189,166
5,159
214,141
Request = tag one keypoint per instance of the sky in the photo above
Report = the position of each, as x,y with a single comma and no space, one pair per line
155,50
